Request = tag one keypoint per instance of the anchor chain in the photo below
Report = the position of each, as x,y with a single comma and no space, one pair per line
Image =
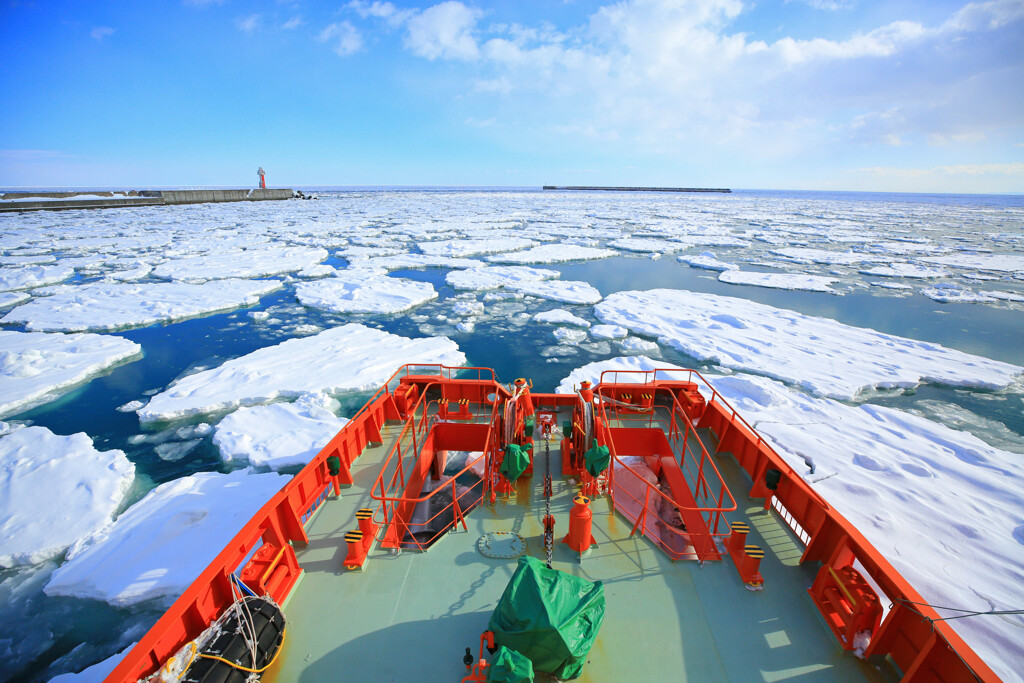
549,521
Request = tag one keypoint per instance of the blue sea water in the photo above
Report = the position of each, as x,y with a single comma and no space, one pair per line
41,636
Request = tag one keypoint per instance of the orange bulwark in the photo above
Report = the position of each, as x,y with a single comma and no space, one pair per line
662,477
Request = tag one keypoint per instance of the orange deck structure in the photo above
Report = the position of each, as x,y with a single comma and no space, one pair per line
652,423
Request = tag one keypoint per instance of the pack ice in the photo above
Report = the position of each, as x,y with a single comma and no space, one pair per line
822,355
36,367
106,306
160,545
351,357
280,434
54,490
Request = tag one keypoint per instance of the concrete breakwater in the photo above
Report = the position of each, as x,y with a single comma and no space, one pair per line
55,201
637,189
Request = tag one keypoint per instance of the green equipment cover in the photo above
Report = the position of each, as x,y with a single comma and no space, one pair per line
516,460
528,425
509,666
597,460
549,616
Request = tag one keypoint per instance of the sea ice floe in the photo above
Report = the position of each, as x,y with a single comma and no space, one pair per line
636,345
608,332
906,270
647,244
54,490
569,291
352,293
12,298
1000,263
260,261
467,308
834,258
800,281
494,277
157,547
708,261
824,356
102,306
36,367
414,261
940,504
953,293
348,358
553,253
569,335
560,316
26,277
280,434
473,247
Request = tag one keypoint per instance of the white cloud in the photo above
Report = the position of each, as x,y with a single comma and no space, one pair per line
445,31
101,32
831,5
381,10
248,24
344,36
293,23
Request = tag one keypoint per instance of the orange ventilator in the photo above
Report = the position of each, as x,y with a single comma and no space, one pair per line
580,521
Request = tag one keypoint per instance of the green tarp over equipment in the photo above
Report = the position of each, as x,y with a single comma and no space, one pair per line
597,460
509,666
516,460
550,617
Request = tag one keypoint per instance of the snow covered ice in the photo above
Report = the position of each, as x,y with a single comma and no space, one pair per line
55,490
156,548
102,306
495,277
35,367
356,293
553,253
812,283
824,356
261,261
280,434
349,358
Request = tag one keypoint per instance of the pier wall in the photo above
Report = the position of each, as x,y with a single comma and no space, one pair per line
57,201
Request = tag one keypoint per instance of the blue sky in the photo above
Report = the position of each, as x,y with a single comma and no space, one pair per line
905,95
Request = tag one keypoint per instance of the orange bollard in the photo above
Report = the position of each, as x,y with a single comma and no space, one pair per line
751,565
356,551
579,537
365,518
737,539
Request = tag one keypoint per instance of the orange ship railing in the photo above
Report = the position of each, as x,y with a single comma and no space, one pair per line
699,492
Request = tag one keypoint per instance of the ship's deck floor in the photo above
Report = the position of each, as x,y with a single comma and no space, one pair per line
410,617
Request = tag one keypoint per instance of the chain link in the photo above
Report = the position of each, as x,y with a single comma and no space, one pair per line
549,522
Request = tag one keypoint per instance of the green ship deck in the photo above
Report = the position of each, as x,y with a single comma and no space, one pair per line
409,616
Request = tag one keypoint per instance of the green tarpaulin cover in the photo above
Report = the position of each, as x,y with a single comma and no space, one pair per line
509,666
550,617
516,460
597,460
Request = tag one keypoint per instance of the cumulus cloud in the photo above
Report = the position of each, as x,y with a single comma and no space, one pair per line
293,23
248,24
344,37
101,32
444,31
667,73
